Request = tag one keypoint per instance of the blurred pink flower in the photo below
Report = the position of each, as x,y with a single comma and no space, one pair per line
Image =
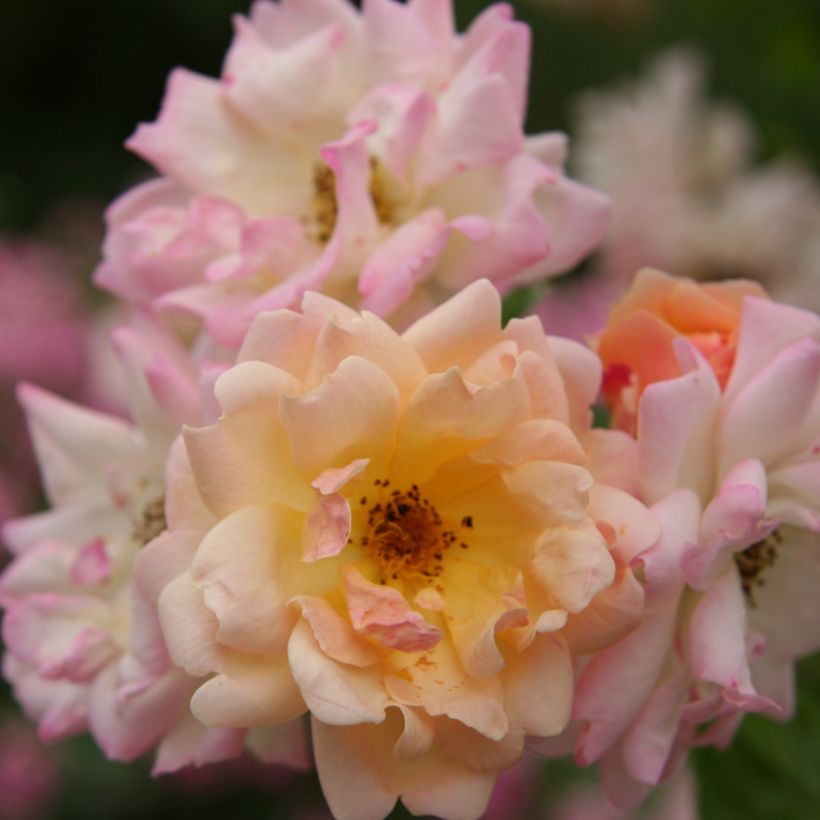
29,774
42,318
42,338
676,800
376,156
686,196
577,308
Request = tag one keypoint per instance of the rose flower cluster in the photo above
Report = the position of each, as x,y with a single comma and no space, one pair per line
350,506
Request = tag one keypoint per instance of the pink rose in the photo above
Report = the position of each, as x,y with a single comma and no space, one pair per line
375,156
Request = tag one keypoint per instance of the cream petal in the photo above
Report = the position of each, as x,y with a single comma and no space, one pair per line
458,331
572,565
538,687
335,635
241,567
334,692
352,414
189,627
251,690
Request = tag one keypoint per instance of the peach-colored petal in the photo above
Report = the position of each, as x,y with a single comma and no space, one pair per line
248,592
348,416
335,635
335,693
250,690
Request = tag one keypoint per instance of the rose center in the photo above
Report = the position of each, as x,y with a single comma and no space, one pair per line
752,561
324,210
406,535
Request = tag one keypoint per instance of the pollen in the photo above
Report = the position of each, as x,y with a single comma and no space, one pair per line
407,535
320,223
752,562
152,522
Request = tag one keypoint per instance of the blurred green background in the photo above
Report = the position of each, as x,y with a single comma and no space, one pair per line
77,77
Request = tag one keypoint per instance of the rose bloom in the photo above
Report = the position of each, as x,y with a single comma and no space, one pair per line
396,533
732,475
83,645
637,346
688,197
376,156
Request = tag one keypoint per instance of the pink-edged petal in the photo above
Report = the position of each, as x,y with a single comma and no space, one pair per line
577,216
74,445
676,422
93,564
283,90
327,528
335,693
477,124
46,567
766,329
334,478
59,707
126,728
768,413
623,793
335,634
717,642
513,236
402,113
398,46
733,520
404,260
633,665
198,142
356,221
382,614
63,637
648,743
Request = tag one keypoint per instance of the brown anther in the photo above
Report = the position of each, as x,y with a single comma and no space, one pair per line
754,560
406,536
152,522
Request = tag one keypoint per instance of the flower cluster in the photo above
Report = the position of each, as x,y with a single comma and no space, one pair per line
348,500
